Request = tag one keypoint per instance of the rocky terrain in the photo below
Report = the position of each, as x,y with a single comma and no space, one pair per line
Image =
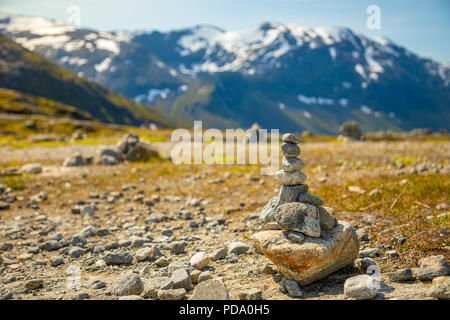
155,230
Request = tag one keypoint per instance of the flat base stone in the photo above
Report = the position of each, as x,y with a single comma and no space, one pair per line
313,259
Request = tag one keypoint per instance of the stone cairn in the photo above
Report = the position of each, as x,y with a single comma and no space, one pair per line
302,238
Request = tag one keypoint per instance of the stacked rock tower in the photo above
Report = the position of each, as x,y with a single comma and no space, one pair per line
309,216
301,236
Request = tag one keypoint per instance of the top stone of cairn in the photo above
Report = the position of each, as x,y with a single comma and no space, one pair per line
289,137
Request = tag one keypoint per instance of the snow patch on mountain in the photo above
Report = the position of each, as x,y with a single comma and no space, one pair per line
73,60
55,42
152,95
235,50
34,25
104,65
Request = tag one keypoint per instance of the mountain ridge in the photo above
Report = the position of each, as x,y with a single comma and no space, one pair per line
282,76
29,73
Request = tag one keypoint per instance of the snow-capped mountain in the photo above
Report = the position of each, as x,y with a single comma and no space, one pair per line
279,75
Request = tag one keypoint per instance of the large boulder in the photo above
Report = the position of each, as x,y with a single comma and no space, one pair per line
127,142
314,258
77,160
141,151
133,149
351,130
107,153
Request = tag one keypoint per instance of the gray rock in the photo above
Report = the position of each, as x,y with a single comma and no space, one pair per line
108,151
56,261
213,289
272,226
52,245
130,284
108,160
147,253
300,217
57,236
118,258
34,284
250,294
88,232
438,263
152,218
391,254
363,263
290,150
289,137
125,243
311,199
290,178
150,291
200,260
237,247
194,276
87,210
180,265
181,279
296,237
292,164
82,296
290,193
162,262
112,245
163,283
98,249
370,252
362,234
268,211
326,218
427,274
78,241
293,288
205,275
33,168
171,294
401,275
76,252
177,246
4,205
267,268
219,254
6,246
95,284
360,287
75,160
440,288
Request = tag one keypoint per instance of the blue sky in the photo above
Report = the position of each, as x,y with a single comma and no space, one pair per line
421,26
